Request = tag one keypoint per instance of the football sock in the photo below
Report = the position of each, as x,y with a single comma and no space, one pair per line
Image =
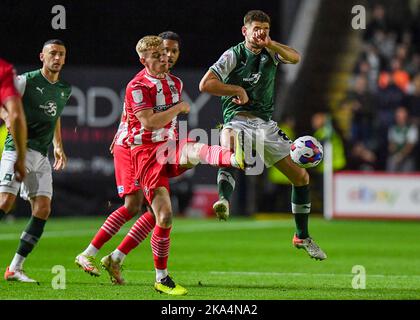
16,263
138,232
118,256
28,240
160,247
301,207
215,156
110,227
2,214
225,183
90,251
160,274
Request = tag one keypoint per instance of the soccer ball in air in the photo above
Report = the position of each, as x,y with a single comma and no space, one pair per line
306,152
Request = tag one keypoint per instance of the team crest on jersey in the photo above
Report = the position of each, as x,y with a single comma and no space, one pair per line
50,108
120,189
253,78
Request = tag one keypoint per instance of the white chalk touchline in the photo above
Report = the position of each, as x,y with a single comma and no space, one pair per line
217,227
257,273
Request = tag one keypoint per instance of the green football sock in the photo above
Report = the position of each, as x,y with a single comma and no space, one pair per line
30,236
301,207
225,182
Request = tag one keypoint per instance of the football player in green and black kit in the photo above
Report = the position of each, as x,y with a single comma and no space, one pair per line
44,96
244,78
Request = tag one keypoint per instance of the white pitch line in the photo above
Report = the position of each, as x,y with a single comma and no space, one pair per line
257,273
287,274
222,227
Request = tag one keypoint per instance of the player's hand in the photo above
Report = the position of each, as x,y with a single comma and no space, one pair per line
20,170
184,107
261,38
60,159
241,98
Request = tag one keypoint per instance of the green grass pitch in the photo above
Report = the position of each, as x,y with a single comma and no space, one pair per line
238,259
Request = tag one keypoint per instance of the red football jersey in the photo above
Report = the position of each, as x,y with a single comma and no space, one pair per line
145,91
7,86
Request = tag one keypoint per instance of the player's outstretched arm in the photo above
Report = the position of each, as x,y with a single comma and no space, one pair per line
288,54
154,121
15,120
59,155
211,84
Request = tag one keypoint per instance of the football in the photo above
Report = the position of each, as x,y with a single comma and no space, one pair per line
306,152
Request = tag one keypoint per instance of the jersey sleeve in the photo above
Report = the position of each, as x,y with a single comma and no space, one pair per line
224,66
412,135
7,85
139,98
277,58
20,84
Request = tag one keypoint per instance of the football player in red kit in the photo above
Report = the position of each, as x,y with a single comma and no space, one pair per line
127,188
152,102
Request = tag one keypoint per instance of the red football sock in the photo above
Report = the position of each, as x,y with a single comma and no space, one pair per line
111,226
138,232
215,156
160,246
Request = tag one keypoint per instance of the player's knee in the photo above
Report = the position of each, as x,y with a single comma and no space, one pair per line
133,207
302,179
6,204
227,139
164,220
191,153
42,212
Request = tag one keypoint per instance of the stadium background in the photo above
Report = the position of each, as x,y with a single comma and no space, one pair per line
101,59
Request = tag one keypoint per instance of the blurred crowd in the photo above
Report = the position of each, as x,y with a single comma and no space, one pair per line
381,108
384,95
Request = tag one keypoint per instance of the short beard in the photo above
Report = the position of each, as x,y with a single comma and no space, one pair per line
53,71
255,46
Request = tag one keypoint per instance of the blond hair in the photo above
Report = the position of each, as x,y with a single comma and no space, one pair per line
146,43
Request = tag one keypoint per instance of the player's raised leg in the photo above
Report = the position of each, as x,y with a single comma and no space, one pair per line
193,153
301,206
160,242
